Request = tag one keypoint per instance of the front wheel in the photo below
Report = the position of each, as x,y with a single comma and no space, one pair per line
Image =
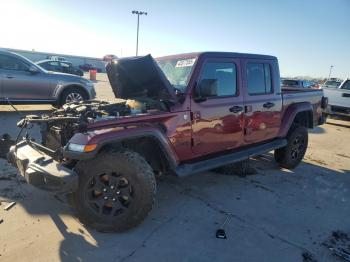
291,155
72,95
116,191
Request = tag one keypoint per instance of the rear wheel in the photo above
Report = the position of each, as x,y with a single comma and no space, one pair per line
116,191
291,155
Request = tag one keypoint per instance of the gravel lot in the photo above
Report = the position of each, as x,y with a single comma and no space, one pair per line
277,214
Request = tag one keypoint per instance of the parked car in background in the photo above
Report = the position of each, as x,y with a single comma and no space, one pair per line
88,67
331,84
60,66
56,58
296,83
338,99
22,81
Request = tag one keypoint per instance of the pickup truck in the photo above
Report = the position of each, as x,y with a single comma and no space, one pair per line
338,99
176,115
296,83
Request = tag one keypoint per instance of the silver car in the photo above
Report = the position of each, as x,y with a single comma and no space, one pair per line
21,81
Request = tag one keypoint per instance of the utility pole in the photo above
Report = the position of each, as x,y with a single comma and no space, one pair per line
138,13
330,72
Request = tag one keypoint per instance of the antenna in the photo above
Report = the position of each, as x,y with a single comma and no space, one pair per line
18,112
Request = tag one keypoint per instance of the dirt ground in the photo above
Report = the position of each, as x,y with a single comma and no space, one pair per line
277,214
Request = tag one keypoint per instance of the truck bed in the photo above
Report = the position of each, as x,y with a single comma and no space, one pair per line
298,95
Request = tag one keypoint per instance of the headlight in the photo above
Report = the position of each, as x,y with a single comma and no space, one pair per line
76,147
81,148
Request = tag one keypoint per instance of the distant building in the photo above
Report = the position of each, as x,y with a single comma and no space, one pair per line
75,60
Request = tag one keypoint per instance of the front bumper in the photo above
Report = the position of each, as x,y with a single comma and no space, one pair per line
91,90
41,170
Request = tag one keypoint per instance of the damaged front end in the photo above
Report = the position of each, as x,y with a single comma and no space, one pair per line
140,88
44,164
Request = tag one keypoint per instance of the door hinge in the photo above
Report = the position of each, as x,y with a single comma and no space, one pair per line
195,115
247,130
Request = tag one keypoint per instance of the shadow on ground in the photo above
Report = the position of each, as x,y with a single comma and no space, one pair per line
276,214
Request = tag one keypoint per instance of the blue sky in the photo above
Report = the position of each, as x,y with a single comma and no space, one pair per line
306,35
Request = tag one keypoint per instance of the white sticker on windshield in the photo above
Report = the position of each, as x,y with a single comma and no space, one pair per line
185,63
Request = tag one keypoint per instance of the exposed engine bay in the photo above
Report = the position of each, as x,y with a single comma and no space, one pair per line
139,85
59,126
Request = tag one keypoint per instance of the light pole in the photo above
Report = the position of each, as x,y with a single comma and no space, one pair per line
330,72
138,13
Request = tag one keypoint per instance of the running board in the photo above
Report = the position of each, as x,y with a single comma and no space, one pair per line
244,154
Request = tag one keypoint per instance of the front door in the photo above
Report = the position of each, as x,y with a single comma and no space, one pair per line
263,101
20,84
217,122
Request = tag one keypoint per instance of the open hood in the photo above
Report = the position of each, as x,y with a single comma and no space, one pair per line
139,77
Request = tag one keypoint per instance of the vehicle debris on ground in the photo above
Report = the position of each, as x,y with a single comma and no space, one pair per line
9,206
5,143
339,244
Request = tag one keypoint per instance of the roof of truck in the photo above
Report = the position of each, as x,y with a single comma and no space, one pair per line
219,54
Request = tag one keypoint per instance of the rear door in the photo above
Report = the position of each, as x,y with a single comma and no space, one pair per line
20,84
344,100
263,100
217,123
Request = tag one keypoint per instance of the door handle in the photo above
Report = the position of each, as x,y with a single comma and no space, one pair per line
268,105
9,76
236,109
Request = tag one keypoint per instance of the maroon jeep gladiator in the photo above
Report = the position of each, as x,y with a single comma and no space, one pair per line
179,115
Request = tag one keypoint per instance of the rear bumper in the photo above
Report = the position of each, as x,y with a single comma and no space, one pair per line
41,170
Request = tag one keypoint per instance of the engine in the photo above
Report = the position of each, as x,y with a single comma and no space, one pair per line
59,126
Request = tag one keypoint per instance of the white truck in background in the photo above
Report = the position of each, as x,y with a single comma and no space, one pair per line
338,99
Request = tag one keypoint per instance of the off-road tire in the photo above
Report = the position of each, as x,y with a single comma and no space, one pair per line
291,155
63,97
127,165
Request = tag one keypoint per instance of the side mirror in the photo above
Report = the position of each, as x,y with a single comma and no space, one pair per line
33,70
206,88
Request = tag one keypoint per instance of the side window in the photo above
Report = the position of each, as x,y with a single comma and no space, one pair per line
45,65
259,78
306,84
225,74
12,63
346,85
66,68
55,66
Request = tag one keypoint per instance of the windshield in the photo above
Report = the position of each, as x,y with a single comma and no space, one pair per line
177,71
